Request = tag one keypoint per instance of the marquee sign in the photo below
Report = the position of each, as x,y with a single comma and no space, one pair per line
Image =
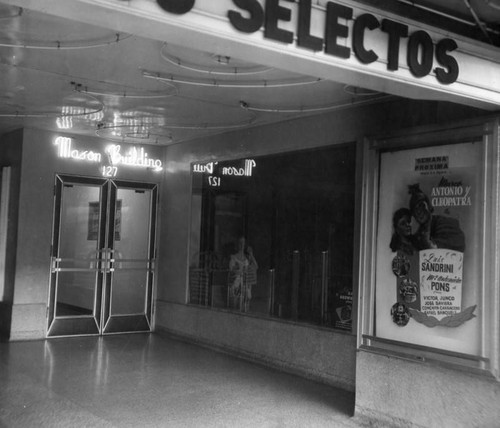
346,41
423,55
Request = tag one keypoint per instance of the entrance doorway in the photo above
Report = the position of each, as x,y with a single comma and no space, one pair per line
102,256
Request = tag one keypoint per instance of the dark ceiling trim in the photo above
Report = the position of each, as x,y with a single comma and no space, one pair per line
438,18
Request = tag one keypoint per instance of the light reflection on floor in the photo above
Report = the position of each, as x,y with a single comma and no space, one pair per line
144,380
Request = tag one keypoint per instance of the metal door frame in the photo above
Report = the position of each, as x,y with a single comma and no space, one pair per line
141,322
100,322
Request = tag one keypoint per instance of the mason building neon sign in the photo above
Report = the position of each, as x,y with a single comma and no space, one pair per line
423,57
111,159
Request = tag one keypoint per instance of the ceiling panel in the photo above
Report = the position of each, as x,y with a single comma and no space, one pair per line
59,74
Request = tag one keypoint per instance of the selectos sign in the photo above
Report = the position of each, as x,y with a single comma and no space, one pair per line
111,159
423,55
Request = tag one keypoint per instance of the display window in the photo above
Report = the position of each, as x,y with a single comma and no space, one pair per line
273,236
431,279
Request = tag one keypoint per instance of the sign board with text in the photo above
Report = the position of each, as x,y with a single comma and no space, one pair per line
344,41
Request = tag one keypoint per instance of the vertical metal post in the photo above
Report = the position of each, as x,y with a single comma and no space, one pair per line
295,284
5,184
324,286
271,292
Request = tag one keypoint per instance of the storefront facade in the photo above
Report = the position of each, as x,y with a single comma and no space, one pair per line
71,193
346,281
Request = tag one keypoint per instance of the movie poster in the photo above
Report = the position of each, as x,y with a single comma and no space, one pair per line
343,309
429,233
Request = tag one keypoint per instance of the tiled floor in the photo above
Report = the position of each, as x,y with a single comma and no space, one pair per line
146,380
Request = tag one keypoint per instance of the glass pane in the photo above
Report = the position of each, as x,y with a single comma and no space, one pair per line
129,290
131,251
274,235
78,245
75,294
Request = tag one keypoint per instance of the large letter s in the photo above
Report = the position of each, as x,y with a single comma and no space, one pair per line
253,22
449,74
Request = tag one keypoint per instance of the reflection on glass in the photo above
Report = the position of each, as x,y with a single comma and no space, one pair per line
77,251
294,215
131,252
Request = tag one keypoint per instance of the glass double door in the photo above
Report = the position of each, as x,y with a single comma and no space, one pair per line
102,261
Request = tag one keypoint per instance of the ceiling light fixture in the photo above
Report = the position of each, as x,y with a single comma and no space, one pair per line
58,45
353,103
230,84
125,93
131,95
207,126
223,60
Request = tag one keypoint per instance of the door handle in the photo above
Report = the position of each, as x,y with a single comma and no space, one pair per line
54,264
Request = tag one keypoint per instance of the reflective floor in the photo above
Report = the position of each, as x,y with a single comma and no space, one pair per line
146,380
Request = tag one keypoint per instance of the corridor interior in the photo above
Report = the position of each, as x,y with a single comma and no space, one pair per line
151,380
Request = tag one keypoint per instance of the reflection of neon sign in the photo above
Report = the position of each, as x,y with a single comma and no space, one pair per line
204,168
136,157
213,175
246,171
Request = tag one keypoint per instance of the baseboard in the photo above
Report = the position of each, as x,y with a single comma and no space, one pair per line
255,358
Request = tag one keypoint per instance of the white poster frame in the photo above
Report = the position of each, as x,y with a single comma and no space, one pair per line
485,357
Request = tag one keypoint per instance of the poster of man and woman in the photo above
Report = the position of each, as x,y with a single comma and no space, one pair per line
427,269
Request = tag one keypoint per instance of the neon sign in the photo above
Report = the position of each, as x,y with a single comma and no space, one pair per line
214,171
135,157
67,151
